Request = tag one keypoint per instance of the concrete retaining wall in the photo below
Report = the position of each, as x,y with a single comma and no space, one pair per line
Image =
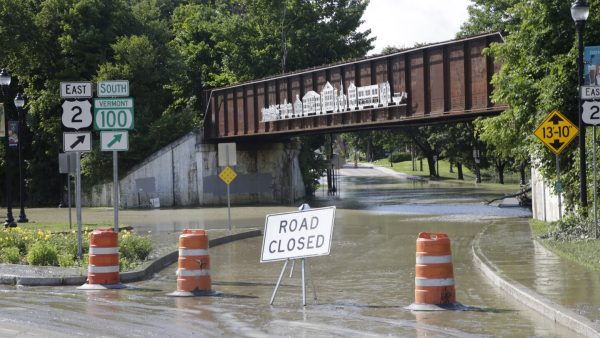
544,202
185,173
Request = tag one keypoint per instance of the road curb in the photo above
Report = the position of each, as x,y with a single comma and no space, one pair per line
530,298
126,277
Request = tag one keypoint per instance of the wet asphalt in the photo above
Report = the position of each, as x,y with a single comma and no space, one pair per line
362,287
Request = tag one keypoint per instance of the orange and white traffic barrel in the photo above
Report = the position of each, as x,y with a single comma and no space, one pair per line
193,265
434,275
103,268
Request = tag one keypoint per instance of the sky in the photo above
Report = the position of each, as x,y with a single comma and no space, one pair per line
402,23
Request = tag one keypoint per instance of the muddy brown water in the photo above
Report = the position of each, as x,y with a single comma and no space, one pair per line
362,287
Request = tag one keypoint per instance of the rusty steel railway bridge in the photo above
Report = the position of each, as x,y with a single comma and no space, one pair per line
444,82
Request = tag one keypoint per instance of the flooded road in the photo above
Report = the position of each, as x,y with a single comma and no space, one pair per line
362,287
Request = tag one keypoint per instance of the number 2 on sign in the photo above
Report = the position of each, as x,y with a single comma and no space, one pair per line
591,112
74,119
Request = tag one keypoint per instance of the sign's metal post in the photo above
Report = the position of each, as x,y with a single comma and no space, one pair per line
303,284
558,186
69,189
278,282
228,208
78,202
595,186
227,158
292,268
116,189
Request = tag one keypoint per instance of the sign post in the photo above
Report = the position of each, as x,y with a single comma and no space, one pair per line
556,132
227,176
591,116
77,115
227,158
114,116
66,165
297,235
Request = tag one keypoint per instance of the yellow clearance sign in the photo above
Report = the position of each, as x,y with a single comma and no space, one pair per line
556,132
227,175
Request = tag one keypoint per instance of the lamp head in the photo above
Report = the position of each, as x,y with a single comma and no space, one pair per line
19,101
4,78
580,11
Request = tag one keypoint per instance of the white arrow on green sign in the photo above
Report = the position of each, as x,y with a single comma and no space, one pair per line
113,114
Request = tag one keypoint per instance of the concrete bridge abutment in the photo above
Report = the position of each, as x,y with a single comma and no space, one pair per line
185,173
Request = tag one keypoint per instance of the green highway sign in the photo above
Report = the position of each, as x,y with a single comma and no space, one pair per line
113,114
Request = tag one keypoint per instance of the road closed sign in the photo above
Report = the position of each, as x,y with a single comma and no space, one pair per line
300,234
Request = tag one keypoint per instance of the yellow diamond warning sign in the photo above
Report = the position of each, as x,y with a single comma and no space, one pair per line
228,175
556,132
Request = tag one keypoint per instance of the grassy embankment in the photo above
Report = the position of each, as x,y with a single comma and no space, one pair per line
575,243
445,174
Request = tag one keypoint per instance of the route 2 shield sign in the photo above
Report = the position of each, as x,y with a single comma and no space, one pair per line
77,114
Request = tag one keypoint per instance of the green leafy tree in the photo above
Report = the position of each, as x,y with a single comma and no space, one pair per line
538,74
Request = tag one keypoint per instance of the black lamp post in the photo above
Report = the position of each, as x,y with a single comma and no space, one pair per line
579,12
10,221
19,103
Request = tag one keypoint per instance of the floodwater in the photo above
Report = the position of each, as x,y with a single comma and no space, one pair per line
362,287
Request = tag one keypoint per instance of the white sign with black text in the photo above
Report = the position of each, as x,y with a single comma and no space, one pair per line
300,234
591,113
77,141
74,90
77,114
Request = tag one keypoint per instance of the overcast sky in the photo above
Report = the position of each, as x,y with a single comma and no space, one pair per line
402,23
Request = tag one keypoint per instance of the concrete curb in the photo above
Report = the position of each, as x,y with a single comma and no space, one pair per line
530,298
126,277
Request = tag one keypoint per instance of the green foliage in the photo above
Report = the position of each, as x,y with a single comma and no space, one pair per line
399,157
38,247
169,50
134,248
42,253
312,163
572,239
10,255
538,74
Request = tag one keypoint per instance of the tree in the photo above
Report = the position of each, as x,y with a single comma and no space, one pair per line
537,74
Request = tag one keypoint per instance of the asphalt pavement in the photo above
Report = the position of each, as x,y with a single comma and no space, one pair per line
509,257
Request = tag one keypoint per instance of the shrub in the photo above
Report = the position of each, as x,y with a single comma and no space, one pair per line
400,157
133,249
66,260
39,247
10,255
42,253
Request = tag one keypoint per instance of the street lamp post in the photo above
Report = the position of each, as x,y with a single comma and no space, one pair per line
10,221
19,103
579,12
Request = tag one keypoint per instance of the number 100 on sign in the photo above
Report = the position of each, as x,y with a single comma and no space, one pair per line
113,114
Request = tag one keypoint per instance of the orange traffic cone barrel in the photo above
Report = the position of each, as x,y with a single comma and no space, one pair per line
103,268
193,265
434,276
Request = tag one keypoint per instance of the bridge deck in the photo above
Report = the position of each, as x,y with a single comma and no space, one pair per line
426,85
